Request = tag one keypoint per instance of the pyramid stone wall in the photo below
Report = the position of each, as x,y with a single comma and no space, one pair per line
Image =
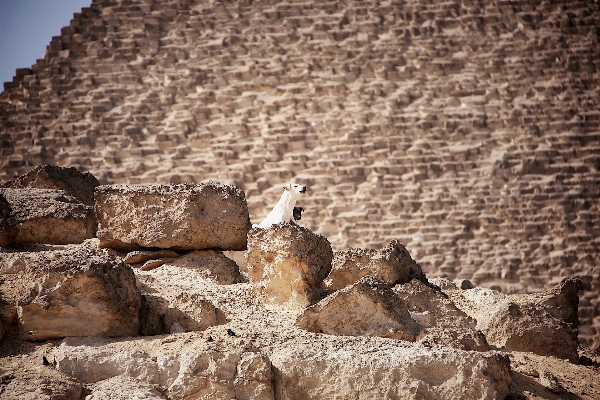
468,130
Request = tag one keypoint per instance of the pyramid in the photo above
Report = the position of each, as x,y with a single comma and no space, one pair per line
468,130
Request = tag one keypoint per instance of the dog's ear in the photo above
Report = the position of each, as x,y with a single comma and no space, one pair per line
288,186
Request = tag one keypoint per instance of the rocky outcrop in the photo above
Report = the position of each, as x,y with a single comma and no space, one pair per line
392,264
8,225
179,217
50,216
389,372
367,308
440,321
542,323
77,291
77,184
211,264
292,262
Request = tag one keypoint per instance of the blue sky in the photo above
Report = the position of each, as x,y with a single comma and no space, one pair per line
26,28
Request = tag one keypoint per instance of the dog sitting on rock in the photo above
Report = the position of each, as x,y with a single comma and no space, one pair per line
284,210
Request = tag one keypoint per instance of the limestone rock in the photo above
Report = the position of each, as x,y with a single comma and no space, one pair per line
8,226
136,257
441,322
124,388
77,291
367,308
77,184
153,264
291,260
179,217
213,265
50,216
185,313
385,372
254,379
393,265
544,323
37,383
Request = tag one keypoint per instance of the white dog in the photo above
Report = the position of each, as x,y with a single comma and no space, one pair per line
284,209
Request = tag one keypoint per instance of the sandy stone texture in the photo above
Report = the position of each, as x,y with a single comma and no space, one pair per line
179,217
50,216
291,261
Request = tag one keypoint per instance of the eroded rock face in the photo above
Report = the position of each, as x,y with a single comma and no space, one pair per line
213,264
291,260
50,216
38,383
543,323
393,265
8,226
367,308
124,388
180,217
440,321
77,184
390,373
76,291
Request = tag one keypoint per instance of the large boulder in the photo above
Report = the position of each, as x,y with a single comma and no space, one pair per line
77,184
440,321
291,260
543,323
8,225
180,217
381,371
50,216
392,264
73,291
367,308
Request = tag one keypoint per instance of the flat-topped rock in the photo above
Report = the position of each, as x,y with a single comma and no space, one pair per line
181,217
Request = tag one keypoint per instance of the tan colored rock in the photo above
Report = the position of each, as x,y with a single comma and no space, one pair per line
36,383
543,323
254,379
291,260
153,264
179,217
392,264
77,184
440,321
367,308
184,313
212,264
386,372
135,257
50,216
124,388
76,291
8,226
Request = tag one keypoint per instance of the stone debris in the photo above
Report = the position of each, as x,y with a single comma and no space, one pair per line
152,264
124,388
440,321
543,323
291,261
136,257
369,307
177,217
77,184
50,216
391,264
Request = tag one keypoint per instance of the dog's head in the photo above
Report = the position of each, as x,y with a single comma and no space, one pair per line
295,189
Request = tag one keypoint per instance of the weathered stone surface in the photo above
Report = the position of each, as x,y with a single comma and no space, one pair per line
393,265
254,379
184,313
37,383
180,217
50,216
77,184
291,260
135,257
367,308
543,323
8,225
440,321
153,264
75,291
212,264
387,372
124,388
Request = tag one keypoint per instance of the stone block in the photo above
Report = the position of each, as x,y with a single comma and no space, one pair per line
180,217
367,308
392,264
50,216
77,184
291,260
73,291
